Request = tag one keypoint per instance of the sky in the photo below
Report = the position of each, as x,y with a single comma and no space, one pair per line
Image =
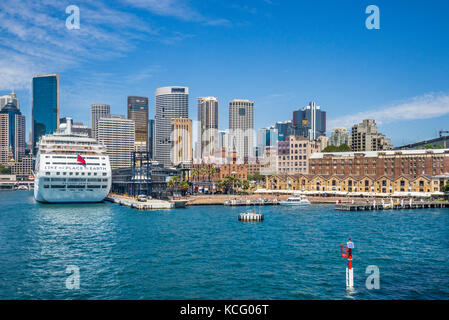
279,54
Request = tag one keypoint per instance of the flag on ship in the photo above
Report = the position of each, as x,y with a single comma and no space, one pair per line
80,160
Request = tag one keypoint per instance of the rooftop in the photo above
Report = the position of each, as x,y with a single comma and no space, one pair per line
372,154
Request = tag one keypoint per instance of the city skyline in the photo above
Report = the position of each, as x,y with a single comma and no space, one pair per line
291,55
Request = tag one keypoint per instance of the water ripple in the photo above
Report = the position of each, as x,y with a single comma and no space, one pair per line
205,253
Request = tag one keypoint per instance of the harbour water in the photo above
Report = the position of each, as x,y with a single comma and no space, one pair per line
206,253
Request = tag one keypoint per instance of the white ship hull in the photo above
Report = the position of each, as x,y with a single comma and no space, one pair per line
68,195
295,200
285,203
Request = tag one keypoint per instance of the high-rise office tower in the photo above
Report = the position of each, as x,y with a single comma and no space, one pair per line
138,111
208,125
364,137
339,136
241,126
117,134
284,129
45,106
9,98
310,121
151,138
266,137
98,111
171,102
12,134
181,151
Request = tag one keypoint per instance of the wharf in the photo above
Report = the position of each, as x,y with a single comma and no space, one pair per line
391,206
144,205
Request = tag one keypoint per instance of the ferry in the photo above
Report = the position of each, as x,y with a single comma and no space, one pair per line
295,200
71,168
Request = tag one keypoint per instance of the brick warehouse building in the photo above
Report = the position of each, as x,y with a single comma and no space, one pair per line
395,163
371,171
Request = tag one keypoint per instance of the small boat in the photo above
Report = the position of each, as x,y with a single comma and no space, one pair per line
295,200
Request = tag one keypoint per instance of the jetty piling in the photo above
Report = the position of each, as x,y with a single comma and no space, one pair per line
391,205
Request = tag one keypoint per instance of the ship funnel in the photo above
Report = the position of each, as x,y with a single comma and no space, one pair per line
68,129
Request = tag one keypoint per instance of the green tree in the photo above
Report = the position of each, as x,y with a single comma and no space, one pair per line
204,171
183,186
256,177
212,172
341,148
431,146
445,188
4,169
195,173
173,183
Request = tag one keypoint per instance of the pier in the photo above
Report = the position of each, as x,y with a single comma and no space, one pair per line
390,206
145,205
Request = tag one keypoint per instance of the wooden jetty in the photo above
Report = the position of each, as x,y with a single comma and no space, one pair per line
360,206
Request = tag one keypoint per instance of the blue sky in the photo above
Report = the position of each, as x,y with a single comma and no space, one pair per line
280,54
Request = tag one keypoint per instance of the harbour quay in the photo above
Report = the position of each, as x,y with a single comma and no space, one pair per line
148,204
391,206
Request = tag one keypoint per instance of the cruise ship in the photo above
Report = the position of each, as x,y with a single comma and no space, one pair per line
71,168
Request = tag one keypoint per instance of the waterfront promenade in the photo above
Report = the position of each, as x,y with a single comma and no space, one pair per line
219,199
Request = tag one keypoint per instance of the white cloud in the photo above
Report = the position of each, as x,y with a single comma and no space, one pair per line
179,9
34,38
428,106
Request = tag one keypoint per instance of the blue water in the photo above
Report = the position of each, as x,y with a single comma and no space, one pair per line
206,253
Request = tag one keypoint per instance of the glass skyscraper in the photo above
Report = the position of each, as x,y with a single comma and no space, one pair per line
310,121
45,106
284,129
151,138
138,111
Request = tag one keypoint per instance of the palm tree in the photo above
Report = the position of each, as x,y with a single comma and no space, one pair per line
173,183
204,171
183,186
195,173
212,172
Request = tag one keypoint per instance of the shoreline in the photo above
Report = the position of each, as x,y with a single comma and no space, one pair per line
203,200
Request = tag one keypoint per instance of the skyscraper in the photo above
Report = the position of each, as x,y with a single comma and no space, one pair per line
181,151
117,134
310,121
138,111
364,137
285,129
98,111
12,134
151,138
339,136
9,98
208,125
45,106
241,125
266,137
171,102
